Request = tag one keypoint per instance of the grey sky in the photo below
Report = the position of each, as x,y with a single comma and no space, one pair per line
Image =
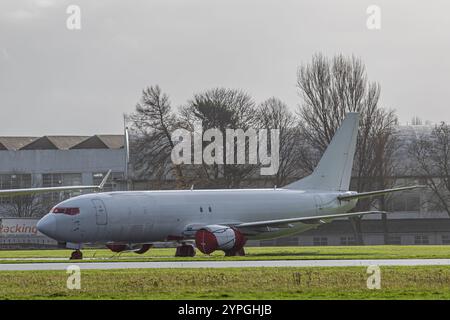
57,81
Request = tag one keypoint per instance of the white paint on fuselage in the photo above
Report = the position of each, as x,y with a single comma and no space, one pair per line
150,216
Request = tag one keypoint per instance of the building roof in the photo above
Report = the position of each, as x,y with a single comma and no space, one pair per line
66,142
100,142
62,142
15,143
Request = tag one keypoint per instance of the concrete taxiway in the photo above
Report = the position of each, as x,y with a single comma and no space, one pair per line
222,264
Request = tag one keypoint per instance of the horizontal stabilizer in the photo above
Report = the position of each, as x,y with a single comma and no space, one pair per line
369,194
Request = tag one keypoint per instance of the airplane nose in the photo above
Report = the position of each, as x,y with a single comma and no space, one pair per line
47,225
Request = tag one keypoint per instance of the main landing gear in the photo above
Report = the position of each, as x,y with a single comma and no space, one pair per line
185,250
232,253
76,255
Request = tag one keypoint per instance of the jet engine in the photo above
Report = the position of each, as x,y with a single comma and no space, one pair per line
217,237
136,248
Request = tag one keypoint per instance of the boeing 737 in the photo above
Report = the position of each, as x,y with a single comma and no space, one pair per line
214,219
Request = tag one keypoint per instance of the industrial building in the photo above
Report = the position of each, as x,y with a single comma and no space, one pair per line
52,161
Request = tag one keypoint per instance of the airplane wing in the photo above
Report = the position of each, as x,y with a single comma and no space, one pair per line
29,191
251,228
311,219
361,195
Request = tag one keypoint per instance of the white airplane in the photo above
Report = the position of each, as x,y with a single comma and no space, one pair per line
213,219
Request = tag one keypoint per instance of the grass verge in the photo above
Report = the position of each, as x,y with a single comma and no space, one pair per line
431,282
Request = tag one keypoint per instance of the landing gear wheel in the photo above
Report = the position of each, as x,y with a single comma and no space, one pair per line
76,255
185,250
234,253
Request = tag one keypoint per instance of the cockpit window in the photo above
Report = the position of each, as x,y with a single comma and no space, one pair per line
68,211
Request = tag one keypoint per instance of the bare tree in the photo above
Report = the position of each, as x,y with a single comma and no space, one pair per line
387,165
331,88
431,155
151,143
274,114
24,206
222,109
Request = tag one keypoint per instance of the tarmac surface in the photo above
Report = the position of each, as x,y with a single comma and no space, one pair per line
221,264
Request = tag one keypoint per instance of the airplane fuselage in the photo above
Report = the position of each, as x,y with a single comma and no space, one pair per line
153,216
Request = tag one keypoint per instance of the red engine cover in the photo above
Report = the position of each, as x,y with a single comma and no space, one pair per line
206,241
239,242
217,237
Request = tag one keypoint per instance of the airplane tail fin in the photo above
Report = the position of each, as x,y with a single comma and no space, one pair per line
334,170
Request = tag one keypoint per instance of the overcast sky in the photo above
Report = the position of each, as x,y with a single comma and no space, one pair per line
59,81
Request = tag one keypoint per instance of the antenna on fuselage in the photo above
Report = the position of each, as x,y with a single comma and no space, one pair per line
192,187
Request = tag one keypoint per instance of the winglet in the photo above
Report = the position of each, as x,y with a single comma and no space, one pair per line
102,184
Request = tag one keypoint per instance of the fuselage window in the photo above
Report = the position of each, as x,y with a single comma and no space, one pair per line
209,208
201,209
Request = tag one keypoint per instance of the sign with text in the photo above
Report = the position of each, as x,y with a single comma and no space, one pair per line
18,227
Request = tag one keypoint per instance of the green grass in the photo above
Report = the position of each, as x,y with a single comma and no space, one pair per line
245,283
253,253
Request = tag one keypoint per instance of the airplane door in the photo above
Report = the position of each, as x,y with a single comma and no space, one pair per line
101,216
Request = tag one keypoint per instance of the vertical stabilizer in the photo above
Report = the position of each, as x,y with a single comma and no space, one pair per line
334,170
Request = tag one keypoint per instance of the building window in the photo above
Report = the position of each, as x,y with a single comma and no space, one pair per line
394,240
320,241
407,202
421,239
445,239
61,179
292,241
13,181
348,241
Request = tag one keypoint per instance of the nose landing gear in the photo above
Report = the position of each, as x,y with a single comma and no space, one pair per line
76,255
